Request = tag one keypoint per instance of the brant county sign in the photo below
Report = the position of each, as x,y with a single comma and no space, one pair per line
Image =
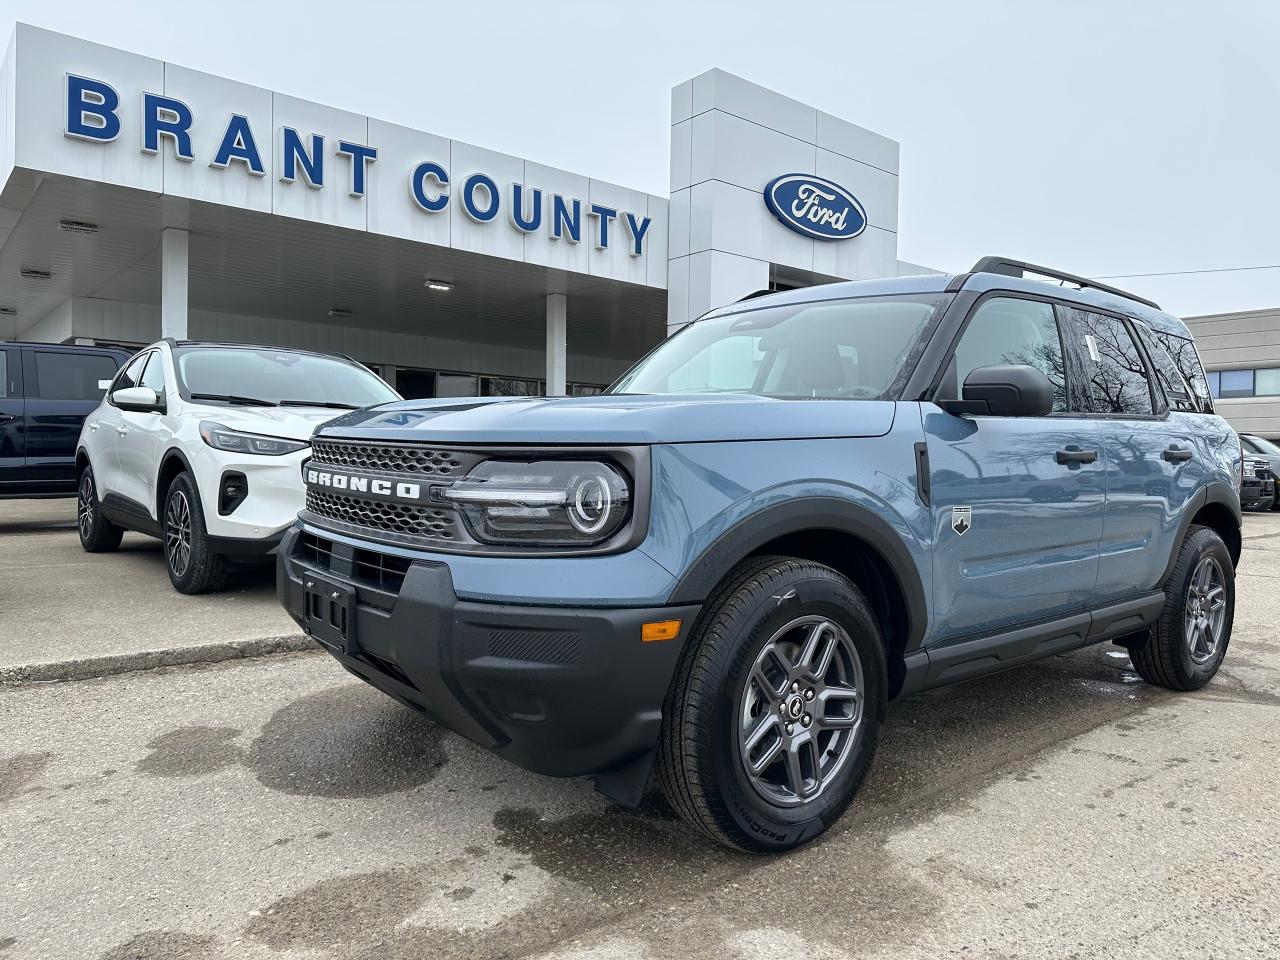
815,207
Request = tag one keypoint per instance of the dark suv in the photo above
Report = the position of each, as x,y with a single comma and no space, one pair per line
796,509
46,391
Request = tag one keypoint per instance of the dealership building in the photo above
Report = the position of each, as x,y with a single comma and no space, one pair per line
1241,352
141,199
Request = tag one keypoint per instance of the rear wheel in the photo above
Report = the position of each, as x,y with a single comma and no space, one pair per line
97,533
1189,641
192,564
775,711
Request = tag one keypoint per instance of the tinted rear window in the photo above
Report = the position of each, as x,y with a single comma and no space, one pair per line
72,376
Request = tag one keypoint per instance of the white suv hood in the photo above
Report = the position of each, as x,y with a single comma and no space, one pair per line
289,423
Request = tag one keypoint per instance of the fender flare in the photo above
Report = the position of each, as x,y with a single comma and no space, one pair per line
173,453
1218,491
796,516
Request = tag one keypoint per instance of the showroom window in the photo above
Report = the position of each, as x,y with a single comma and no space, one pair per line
1229,384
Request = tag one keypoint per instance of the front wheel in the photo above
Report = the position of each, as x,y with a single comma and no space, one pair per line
1189,641
192,564
774,715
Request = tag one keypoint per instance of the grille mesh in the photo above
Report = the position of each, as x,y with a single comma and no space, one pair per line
406,519
536,646
391,457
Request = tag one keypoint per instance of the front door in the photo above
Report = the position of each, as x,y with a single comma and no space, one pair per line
1153,463
13,410
140,440
1017,502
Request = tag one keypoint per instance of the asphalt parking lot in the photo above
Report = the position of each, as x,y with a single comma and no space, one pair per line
277,808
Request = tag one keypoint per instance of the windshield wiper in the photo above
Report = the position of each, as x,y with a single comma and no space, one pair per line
232,398
319,403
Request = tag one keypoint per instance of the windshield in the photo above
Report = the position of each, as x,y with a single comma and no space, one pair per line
834,350
270,377
1259,445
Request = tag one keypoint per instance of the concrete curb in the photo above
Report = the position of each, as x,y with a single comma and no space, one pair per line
89,667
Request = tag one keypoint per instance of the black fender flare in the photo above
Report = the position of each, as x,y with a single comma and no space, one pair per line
796,516
172,453
1217,491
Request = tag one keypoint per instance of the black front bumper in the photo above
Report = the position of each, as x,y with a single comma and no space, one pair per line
563,691
1255,490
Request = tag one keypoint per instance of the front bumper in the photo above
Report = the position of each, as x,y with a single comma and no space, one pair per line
564,691
1254,491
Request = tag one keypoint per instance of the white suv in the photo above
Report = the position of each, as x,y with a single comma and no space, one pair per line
201,445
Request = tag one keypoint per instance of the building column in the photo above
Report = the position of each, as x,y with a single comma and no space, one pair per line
173,283
388,373
557,343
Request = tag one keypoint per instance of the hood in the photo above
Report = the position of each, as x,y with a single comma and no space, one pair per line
615,420
289,423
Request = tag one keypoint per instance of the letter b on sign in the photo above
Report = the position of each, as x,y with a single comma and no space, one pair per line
91,109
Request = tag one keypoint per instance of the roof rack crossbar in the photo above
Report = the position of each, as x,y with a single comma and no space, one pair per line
1017,268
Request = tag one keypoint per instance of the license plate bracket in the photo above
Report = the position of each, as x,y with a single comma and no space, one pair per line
330,613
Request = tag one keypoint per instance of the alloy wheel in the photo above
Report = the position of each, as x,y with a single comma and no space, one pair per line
800,714
177,533
1206,610
84,506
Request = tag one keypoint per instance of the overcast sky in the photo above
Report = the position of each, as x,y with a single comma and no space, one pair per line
1099,136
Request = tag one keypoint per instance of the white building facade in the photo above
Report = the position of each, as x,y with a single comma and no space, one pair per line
140,199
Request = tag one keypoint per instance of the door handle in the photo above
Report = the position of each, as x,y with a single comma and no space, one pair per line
1071,455
93,428
1176,455
122,430
6,417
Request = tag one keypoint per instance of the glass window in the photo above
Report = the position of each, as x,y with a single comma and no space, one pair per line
846,350
1171,380
1267,383
131,374
72,376
510,387
1261,445
284,377
153,375
585,390
415,384
457,385
1235,383
1215,387
7,389
1118,379
1187,360
1008,330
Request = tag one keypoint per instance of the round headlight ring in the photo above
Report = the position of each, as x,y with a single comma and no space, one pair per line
591,505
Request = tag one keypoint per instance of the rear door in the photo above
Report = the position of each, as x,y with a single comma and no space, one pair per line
62,389
1154,465
13,410
1017,501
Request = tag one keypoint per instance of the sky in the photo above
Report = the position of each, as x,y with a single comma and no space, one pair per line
1098,136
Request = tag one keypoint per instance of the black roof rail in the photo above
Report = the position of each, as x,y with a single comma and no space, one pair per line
756,293
1017,268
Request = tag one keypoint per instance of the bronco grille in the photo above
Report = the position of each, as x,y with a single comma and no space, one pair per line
406,519
392,457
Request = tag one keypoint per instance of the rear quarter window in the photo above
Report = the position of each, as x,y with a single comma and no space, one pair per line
72,376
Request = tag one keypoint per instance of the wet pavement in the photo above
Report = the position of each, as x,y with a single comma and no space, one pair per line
278,808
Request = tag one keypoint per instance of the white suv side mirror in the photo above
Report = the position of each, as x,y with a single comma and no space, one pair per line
136,398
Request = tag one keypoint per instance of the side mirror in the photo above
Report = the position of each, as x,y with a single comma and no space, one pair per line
142,399
1004,390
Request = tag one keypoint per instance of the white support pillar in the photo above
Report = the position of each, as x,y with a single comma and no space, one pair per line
173,283
557,343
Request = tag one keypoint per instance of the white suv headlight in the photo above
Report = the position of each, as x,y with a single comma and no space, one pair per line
543,503
234,441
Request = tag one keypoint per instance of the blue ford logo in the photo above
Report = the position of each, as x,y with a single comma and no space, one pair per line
815,207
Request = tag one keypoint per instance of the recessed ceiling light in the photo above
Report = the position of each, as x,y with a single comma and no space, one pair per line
35,274
8,312
340,313
439,286
77,226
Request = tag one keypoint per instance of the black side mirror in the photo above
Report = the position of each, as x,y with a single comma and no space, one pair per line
1004,390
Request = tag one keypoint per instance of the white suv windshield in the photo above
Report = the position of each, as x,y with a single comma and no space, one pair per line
277,377
833,350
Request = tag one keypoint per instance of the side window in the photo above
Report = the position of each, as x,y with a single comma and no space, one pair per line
1118,380
72,376
8,380
1009,330
131,374
153,376
1183,352
1171,380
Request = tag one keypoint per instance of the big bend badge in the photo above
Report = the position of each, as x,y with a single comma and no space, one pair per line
961,520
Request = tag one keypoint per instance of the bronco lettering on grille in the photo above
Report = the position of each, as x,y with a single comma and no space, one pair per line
400,490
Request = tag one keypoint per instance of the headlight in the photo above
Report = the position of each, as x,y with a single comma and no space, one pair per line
544,503
233,441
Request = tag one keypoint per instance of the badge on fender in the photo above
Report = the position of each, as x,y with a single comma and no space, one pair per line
961,520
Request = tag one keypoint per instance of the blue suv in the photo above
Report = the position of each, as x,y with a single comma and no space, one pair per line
796,509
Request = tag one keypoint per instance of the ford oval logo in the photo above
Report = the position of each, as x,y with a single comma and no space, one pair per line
815,207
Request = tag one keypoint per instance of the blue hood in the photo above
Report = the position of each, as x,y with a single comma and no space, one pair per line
613,420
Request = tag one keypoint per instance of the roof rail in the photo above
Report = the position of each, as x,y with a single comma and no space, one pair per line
1017,268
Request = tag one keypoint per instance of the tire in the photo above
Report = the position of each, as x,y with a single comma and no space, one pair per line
1176,655
716,703
193,566
97,533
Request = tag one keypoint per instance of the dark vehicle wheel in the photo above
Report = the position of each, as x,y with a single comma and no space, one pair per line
97,533
775,711
1190,639
193,566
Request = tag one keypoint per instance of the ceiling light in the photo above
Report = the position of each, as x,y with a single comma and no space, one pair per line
35,274
340,313
8,312
77,226
439,286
